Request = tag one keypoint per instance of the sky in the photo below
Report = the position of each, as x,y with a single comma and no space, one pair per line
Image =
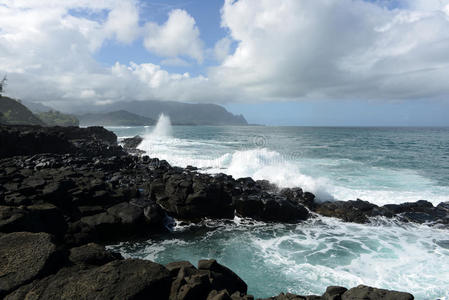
278,62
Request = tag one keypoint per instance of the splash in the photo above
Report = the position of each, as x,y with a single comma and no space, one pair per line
163,127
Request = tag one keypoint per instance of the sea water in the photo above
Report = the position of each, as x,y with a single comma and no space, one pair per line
381,165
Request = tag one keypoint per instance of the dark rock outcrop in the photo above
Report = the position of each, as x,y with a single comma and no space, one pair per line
24,257
56,199
365,292
120,279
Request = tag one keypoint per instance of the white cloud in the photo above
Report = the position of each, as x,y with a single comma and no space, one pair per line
334,49
123,22
178,36
222,48
285,50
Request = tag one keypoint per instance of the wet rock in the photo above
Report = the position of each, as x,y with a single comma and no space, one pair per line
365,292
132,143
24,257
349,211
222,278
187,197
268,207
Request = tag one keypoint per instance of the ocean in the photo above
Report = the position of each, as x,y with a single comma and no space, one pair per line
381,165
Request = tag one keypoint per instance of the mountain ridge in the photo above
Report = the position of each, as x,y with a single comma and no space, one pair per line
179,112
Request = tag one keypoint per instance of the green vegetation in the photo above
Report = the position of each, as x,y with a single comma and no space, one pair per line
14,113
2,85
56,118
115,118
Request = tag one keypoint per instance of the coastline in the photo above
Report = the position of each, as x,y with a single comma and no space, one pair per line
66,188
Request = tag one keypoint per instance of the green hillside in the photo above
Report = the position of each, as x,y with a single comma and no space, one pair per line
13,112
115,118
55,118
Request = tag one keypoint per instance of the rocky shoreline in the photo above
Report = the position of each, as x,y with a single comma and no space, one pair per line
67,191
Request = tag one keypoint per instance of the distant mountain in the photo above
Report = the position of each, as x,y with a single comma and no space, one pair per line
180,113
14,112
56,118
115,118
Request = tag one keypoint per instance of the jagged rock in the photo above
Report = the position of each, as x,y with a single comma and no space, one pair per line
334,293
120,279
349,211
222,278
187,197
289,296
365,292
132,143
36,218
24,257
268,207
175,267
222,295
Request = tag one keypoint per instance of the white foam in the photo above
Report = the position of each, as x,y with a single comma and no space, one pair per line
329,179
308,257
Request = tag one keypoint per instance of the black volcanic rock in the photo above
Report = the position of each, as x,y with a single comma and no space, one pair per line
96,192
132,143
269,207
192,196
92,255
222,278
366,292
119,279
24,257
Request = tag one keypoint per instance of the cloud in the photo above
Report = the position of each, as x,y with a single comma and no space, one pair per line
284,50
175,62
48,53
222,48
123,22
335,49
178,36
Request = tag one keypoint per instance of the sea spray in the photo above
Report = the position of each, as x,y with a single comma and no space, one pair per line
163,127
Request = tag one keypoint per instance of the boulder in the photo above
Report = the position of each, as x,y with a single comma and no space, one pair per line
36,218
175,267
349,211
25,257
334,293
269,207
192,197
132,143
222,295
120,279
92,255
365,292
221,277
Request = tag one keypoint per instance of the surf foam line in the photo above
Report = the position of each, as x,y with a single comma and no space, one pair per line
213,157
307,257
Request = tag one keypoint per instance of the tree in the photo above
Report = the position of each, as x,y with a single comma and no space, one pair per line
3,84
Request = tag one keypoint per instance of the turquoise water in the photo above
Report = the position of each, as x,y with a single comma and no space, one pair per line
382,165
